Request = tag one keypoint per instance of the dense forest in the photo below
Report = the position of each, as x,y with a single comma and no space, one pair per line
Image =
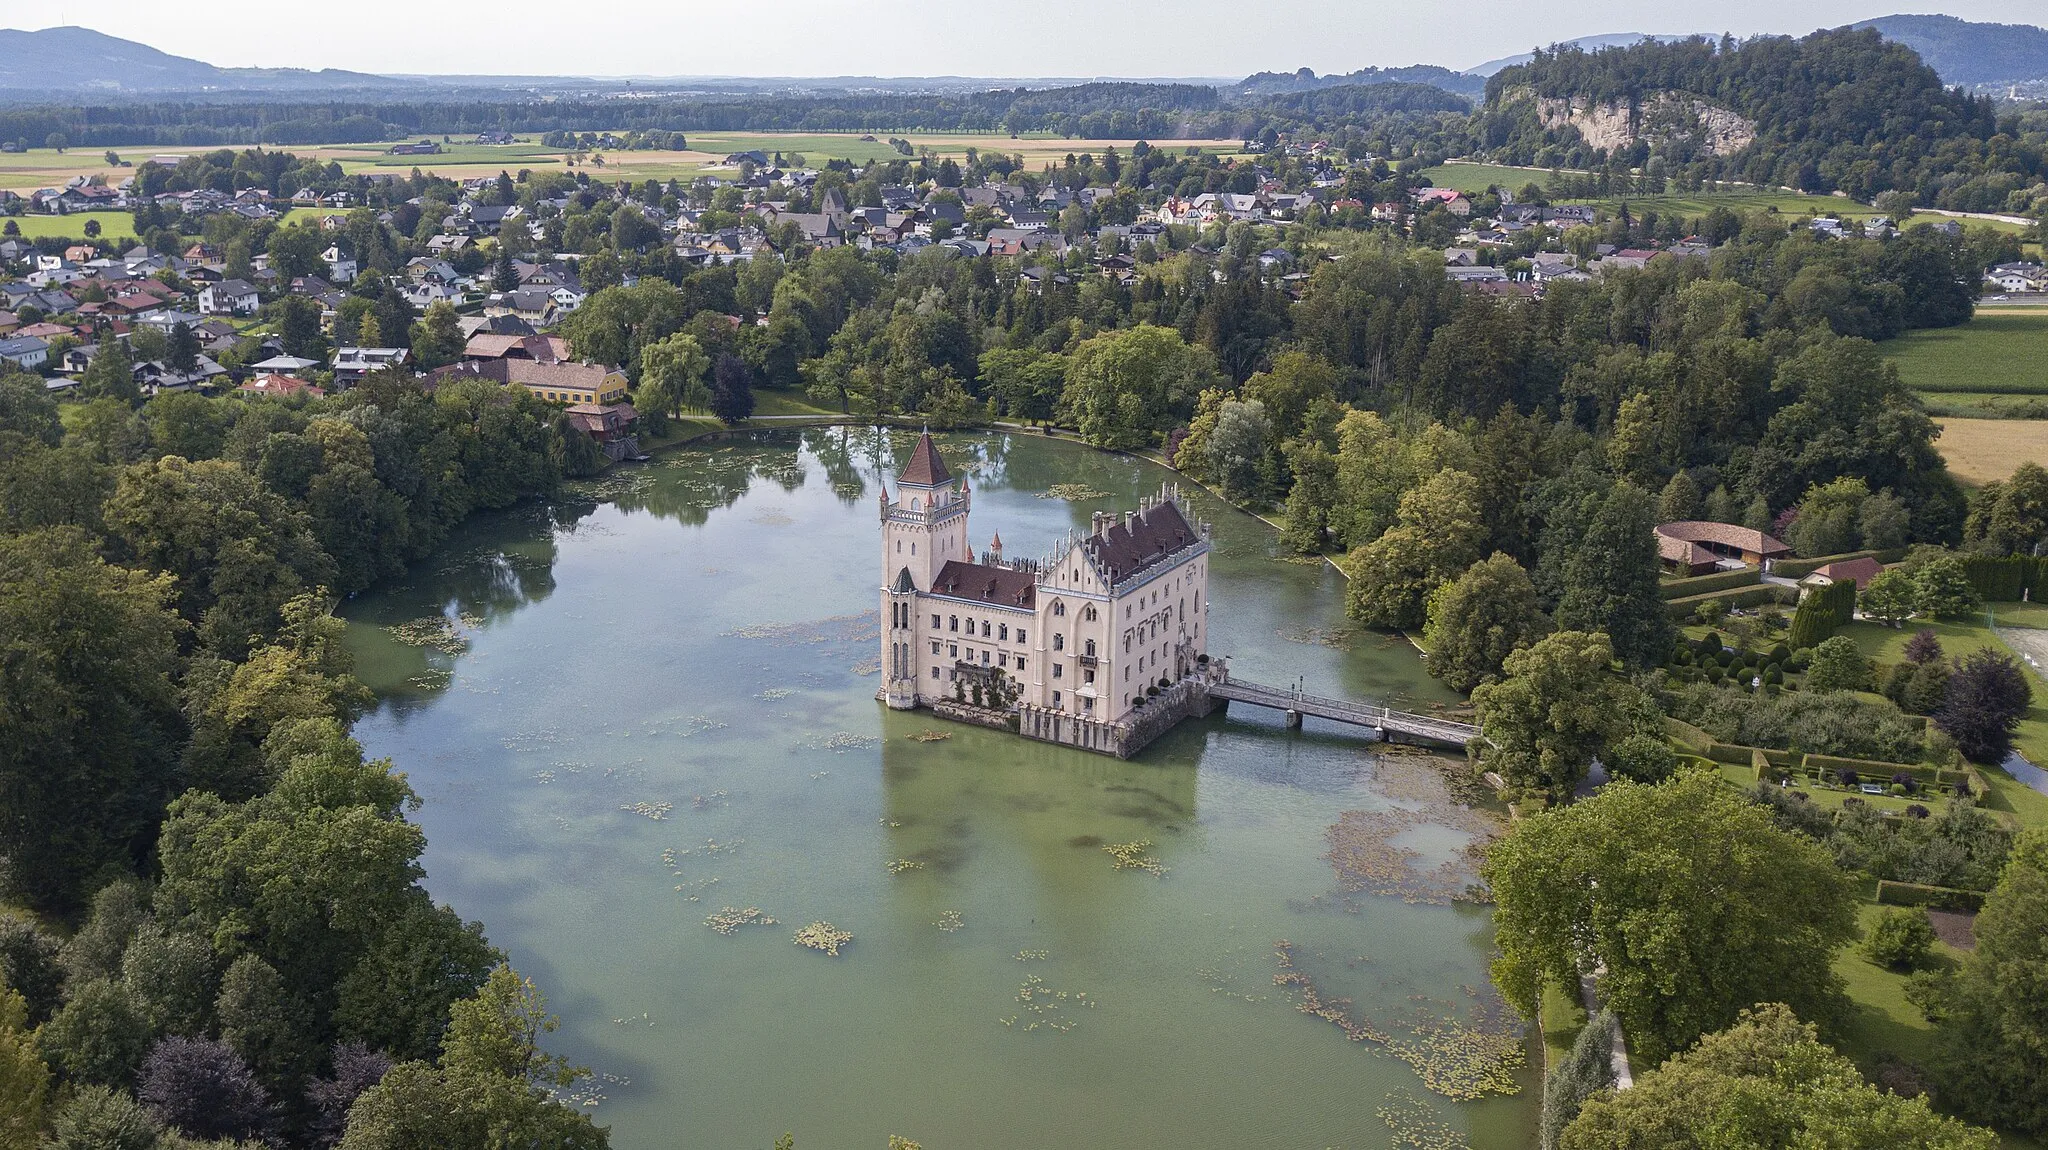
1099,110
1838,110
229,937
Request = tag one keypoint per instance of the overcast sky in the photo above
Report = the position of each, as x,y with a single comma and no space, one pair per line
1224,38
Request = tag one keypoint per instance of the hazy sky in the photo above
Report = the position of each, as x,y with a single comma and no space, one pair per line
1227,38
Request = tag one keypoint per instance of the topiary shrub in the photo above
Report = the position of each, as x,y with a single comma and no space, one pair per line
1845,776
1901,940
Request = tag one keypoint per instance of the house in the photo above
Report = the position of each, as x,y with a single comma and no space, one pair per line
566,383
26,352
351,364
1450,199
539,348
1857,571
340,268
274,386
283,365
157,378
535,307
611,425
2018,277
1697,547
229,297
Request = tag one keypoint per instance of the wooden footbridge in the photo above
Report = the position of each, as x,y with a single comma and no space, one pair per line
1384,722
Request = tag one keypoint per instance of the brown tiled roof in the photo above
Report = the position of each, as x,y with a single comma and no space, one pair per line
1152,535
1680,552
1000,586
926,468
1726,534
1857,571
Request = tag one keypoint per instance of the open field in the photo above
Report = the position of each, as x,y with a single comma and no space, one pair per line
42,168
2003,351
1987,450
113,225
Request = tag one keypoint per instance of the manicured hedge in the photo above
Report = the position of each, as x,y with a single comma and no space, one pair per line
1687,737
1745,597
2006,580
1876,771
1801,568
1705,584
1939,897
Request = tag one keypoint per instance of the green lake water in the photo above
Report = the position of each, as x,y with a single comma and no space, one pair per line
654,699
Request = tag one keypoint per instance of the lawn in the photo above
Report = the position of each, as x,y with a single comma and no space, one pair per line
787,403
2003,351
1987,450
1884,1025
113,225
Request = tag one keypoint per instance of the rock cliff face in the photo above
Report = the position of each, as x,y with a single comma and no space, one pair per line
1666,116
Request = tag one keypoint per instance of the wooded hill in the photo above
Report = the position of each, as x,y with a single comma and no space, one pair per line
1839,110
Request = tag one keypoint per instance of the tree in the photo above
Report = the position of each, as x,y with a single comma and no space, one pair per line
24,1080
97,1118
676,368
30,965
111,373
26,408
1240,450
1944,589
1312,499
265,1023
1586,1073
181,352
1891,597
732,390
1559,705
1611,580
1838,666
1830,518
1696,904
84,638
1680,500
356,1069
1991,1033
1124,387
171,977
1767,1080
1901,939
99,1037
202,1087
1986,697
437,338
491,1087
1479,619
1437,535
237,552
295,251
299,327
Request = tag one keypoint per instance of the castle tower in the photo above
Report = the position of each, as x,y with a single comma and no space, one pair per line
924,527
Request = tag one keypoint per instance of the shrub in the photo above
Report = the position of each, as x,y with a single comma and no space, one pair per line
1586,1072
1906,782
1845,776
1916,811
1902,939
1838,666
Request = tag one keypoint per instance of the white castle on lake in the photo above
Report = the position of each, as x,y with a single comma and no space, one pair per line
1070,646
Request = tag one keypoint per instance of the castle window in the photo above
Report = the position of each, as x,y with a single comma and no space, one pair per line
984,628
952,622
1003,632
1089,648
952,650
1059,608
1088,613
935,622
1059,670
1056,699
1020,664
1059,642
1020,634
935,672
1002,658
899,547
935,646
1087,676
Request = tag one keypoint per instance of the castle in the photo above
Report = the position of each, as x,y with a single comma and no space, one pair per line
1097,640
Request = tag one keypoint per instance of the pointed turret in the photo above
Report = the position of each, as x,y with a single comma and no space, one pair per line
926,469
995,546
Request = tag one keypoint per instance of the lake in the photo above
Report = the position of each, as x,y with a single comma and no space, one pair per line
653,700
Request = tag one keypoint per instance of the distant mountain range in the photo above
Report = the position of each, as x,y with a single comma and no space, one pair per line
80,60
71,63
1978,55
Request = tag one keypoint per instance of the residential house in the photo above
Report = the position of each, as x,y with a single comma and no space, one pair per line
535,307
283,365
26,352
611,425
229,297
1696,547
351,364
340,268
1857,571
273,386
2018,277
565,383
539,348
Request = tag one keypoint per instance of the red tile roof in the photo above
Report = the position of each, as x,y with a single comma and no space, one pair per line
926,468
1857,571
